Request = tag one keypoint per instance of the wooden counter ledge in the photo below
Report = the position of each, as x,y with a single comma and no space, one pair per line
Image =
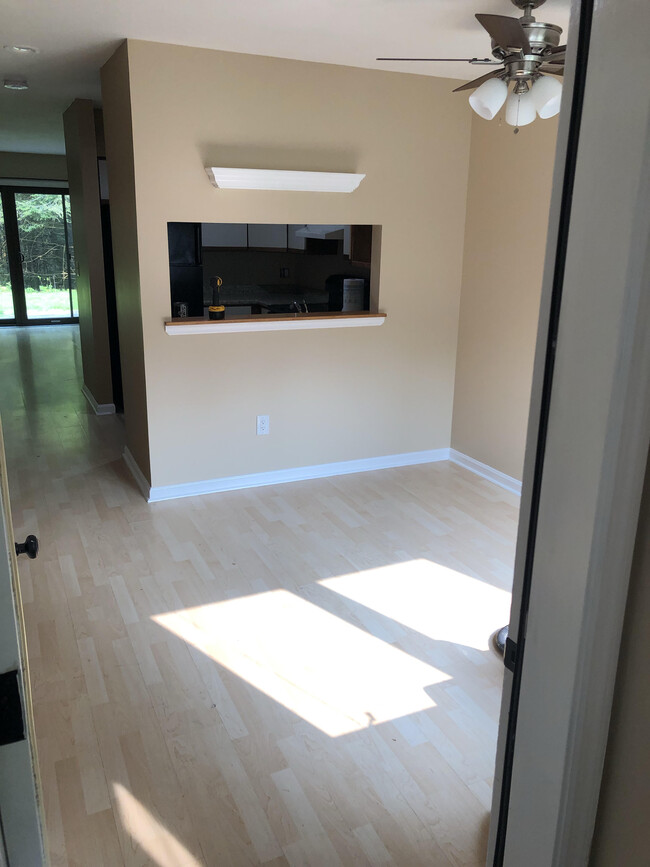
275,322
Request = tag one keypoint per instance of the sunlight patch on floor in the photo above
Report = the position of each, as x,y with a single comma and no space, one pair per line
161,846
334,675
438,602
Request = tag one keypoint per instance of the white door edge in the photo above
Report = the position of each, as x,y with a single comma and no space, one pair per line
597,447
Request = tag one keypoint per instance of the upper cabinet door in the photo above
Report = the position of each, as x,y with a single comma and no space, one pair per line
361,244
347,240
269,235
295,242
224,234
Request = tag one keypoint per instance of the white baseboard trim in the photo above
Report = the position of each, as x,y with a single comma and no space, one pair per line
98,408
317,471
277,477
137,473
487,472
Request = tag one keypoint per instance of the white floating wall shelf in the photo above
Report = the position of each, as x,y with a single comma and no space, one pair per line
274,323
271,179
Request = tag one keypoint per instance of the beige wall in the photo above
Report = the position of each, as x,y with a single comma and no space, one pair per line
331,395
119,154
45,167
622,829
505,237
81,155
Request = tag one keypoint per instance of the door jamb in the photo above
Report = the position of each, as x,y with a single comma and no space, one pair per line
609,317
569,152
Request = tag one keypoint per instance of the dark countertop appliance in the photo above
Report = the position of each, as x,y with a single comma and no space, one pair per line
335,286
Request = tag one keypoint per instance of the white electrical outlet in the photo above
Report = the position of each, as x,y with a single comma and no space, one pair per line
262,425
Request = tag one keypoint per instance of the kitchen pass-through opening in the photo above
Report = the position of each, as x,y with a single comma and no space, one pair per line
234,270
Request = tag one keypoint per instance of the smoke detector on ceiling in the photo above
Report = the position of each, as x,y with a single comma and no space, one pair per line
16,84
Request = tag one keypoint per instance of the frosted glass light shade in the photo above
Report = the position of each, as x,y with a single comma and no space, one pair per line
487,99
520,109
547,96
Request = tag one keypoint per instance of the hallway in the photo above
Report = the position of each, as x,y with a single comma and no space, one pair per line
289,675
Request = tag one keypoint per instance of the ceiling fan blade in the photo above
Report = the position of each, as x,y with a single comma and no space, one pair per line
477,61
507,32
551,70
478,81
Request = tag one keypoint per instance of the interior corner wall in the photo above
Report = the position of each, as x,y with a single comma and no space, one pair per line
510,178
36,167
83,182
118,138
332,395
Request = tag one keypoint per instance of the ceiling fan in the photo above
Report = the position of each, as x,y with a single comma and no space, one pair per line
527,52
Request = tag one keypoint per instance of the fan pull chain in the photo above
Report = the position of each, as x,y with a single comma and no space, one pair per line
516,130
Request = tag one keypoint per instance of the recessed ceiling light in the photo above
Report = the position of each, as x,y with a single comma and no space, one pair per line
21,49
16,84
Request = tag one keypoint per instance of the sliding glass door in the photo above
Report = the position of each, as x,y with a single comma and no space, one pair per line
37,270
7,313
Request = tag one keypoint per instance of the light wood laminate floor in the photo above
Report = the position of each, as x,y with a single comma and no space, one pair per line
297,674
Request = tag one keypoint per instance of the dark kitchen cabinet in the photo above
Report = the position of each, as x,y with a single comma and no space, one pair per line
361,245
185,268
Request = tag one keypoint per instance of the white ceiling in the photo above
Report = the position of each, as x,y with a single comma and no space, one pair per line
75,37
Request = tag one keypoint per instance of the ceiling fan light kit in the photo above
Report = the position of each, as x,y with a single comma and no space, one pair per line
488,99
547,95
528,53
520,109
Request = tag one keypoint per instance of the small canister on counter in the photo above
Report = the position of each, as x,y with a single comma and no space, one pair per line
216,312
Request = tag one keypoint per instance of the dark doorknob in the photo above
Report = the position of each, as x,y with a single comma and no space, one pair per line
29,547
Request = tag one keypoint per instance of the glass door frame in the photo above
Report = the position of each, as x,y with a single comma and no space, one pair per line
8,193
